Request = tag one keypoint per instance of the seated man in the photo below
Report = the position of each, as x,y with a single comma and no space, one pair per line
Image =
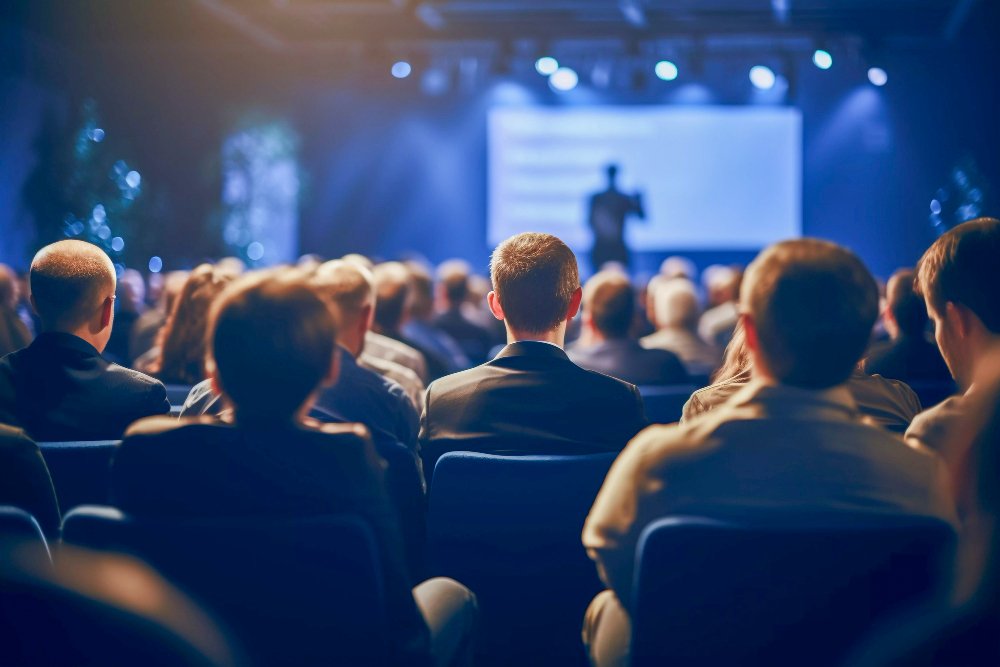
789,442
908,356
608,309
59,387
453,291
676,310
530,399
272,342
957,277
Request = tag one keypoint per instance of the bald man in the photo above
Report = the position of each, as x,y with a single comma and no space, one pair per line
60,387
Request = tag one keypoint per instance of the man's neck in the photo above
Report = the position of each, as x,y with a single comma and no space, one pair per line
986,372
556,336
98,343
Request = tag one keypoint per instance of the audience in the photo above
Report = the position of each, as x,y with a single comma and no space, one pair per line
60,387
14,333
608,308
179,355
888,403
530,399
420,326
675,304
718,323
146,330
957,277
453,294
791,442
273,344
908,356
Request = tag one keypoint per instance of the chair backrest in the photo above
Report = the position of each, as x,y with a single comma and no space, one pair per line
508,527
81,470
19,527
665,403
177,394
799,592
295,589
100,610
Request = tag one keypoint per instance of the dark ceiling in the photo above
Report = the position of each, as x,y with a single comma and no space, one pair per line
302,25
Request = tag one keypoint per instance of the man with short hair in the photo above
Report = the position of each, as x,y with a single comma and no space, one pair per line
675,302
791,442
530,399
60,387
908,356
453,292
608,311
958,279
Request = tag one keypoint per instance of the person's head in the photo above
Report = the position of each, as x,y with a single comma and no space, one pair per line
272,345
959,281
676,266
536,284
609,304
808,309
421,291
676,304
73,290
453,279
9,288
131,291
392,290
182,338
350,289
722,284
905,311
612,171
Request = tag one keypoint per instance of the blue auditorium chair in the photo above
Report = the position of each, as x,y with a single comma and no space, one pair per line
664,404
798,593
81,471
177,394
508,527
17,527
294,589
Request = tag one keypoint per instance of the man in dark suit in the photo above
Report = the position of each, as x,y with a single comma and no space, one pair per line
530,399
25,482
453,290
60,387
273,345
908,356
608,309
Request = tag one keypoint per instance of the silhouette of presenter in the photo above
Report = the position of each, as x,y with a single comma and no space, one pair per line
608,212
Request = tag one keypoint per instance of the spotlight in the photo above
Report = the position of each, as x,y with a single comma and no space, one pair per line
401,69
133,179
878,76
155,264
546,65
822,59
666,70
563,79
762,77
117,244
255,251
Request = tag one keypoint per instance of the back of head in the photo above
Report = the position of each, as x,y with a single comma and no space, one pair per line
610,301
961,267
182,338
534,277
349,287
421,290
69,282
905,305
272,344
392,290
813,305
8,287
676,304
453,275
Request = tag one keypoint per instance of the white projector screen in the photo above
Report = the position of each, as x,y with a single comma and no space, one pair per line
711,178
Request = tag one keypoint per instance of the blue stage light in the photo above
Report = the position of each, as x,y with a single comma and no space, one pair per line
546,65
878,76
117,244
563,79
401,69
155,264
822,59
133,179
255,251
762,77
666,70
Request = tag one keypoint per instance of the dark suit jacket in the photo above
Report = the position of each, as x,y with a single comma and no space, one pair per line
530,399
61,388
626,360
201,467
25,482
909,360
474,340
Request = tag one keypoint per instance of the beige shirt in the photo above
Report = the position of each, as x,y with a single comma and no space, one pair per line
889,403
383,347
769,449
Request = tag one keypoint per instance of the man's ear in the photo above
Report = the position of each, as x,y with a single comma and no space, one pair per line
574,304
107,312
494,302
960,318
750,331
